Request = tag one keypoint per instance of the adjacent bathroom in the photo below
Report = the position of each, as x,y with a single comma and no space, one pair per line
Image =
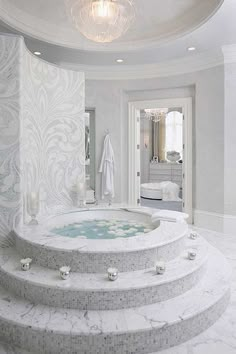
161,158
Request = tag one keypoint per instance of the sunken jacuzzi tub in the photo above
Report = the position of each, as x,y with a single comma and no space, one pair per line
141,312
90,241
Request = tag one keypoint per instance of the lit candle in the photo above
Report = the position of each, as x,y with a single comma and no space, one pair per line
112,274
65,272
192,254
33,201
193,235
33,206
80,187
25,263
81,193
160,267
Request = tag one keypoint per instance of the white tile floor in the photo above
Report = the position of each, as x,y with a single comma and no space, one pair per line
221,337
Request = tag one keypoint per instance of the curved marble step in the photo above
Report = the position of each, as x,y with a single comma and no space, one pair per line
95,292
95,256
136,330
6,348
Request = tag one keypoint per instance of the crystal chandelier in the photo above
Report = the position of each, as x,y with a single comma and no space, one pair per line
101,20
156,114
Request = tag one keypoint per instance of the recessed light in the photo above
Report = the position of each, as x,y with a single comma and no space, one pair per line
37,53
191,49
120,60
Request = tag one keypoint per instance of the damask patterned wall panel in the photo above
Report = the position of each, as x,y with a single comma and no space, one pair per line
41,132
10,198
52,136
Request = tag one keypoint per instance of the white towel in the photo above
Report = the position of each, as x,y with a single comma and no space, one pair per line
107,168
170,191
169,215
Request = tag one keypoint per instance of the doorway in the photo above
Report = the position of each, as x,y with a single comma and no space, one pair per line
160,154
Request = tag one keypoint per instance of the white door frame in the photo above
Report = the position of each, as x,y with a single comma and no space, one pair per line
134,148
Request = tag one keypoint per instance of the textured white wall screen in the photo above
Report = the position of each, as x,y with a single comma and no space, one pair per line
41,131
10,198
52,133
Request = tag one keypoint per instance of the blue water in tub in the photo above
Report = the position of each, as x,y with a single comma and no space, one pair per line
103,229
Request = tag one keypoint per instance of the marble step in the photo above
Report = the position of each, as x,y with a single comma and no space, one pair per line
144,329
6,348
95,256
95,292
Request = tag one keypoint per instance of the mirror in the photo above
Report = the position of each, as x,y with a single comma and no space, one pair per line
161,149
167,137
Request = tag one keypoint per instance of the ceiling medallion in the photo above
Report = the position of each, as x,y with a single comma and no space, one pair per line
101,21
156,114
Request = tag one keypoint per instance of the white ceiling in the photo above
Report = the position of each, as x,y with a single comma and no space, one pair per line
156,22
162,31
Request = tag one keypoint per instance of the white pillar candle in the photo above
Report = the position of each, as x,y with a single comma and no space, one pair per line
33,203
80,188
194,235
112,274
25,263
192,254
65,272
160,267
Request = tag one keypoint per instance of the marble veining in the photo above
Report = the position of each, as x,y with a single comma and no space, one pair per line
166,233
41,133
218,339
10,198
94,291
52,131
128,330
93,256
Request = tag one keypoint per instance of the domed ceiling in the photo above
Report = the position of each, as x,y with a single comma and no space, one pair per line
157,21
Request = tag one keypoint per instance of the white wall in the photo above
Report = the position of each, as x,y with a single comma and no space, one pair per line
230,139
230,147
209,144
107,101
110,98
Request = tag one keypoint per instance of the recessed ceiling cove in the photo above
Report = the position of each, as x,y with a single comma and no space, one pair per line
156,22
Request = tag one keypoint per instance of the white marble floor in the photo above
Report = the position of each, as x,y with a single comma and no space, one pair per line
221,337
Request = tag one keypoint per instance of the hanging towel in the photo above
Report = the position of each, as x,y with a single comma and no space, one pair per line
107,168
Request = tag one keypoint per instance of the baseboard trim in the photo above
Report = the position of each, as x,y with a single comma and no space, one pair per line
215,221
230,224
209,220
